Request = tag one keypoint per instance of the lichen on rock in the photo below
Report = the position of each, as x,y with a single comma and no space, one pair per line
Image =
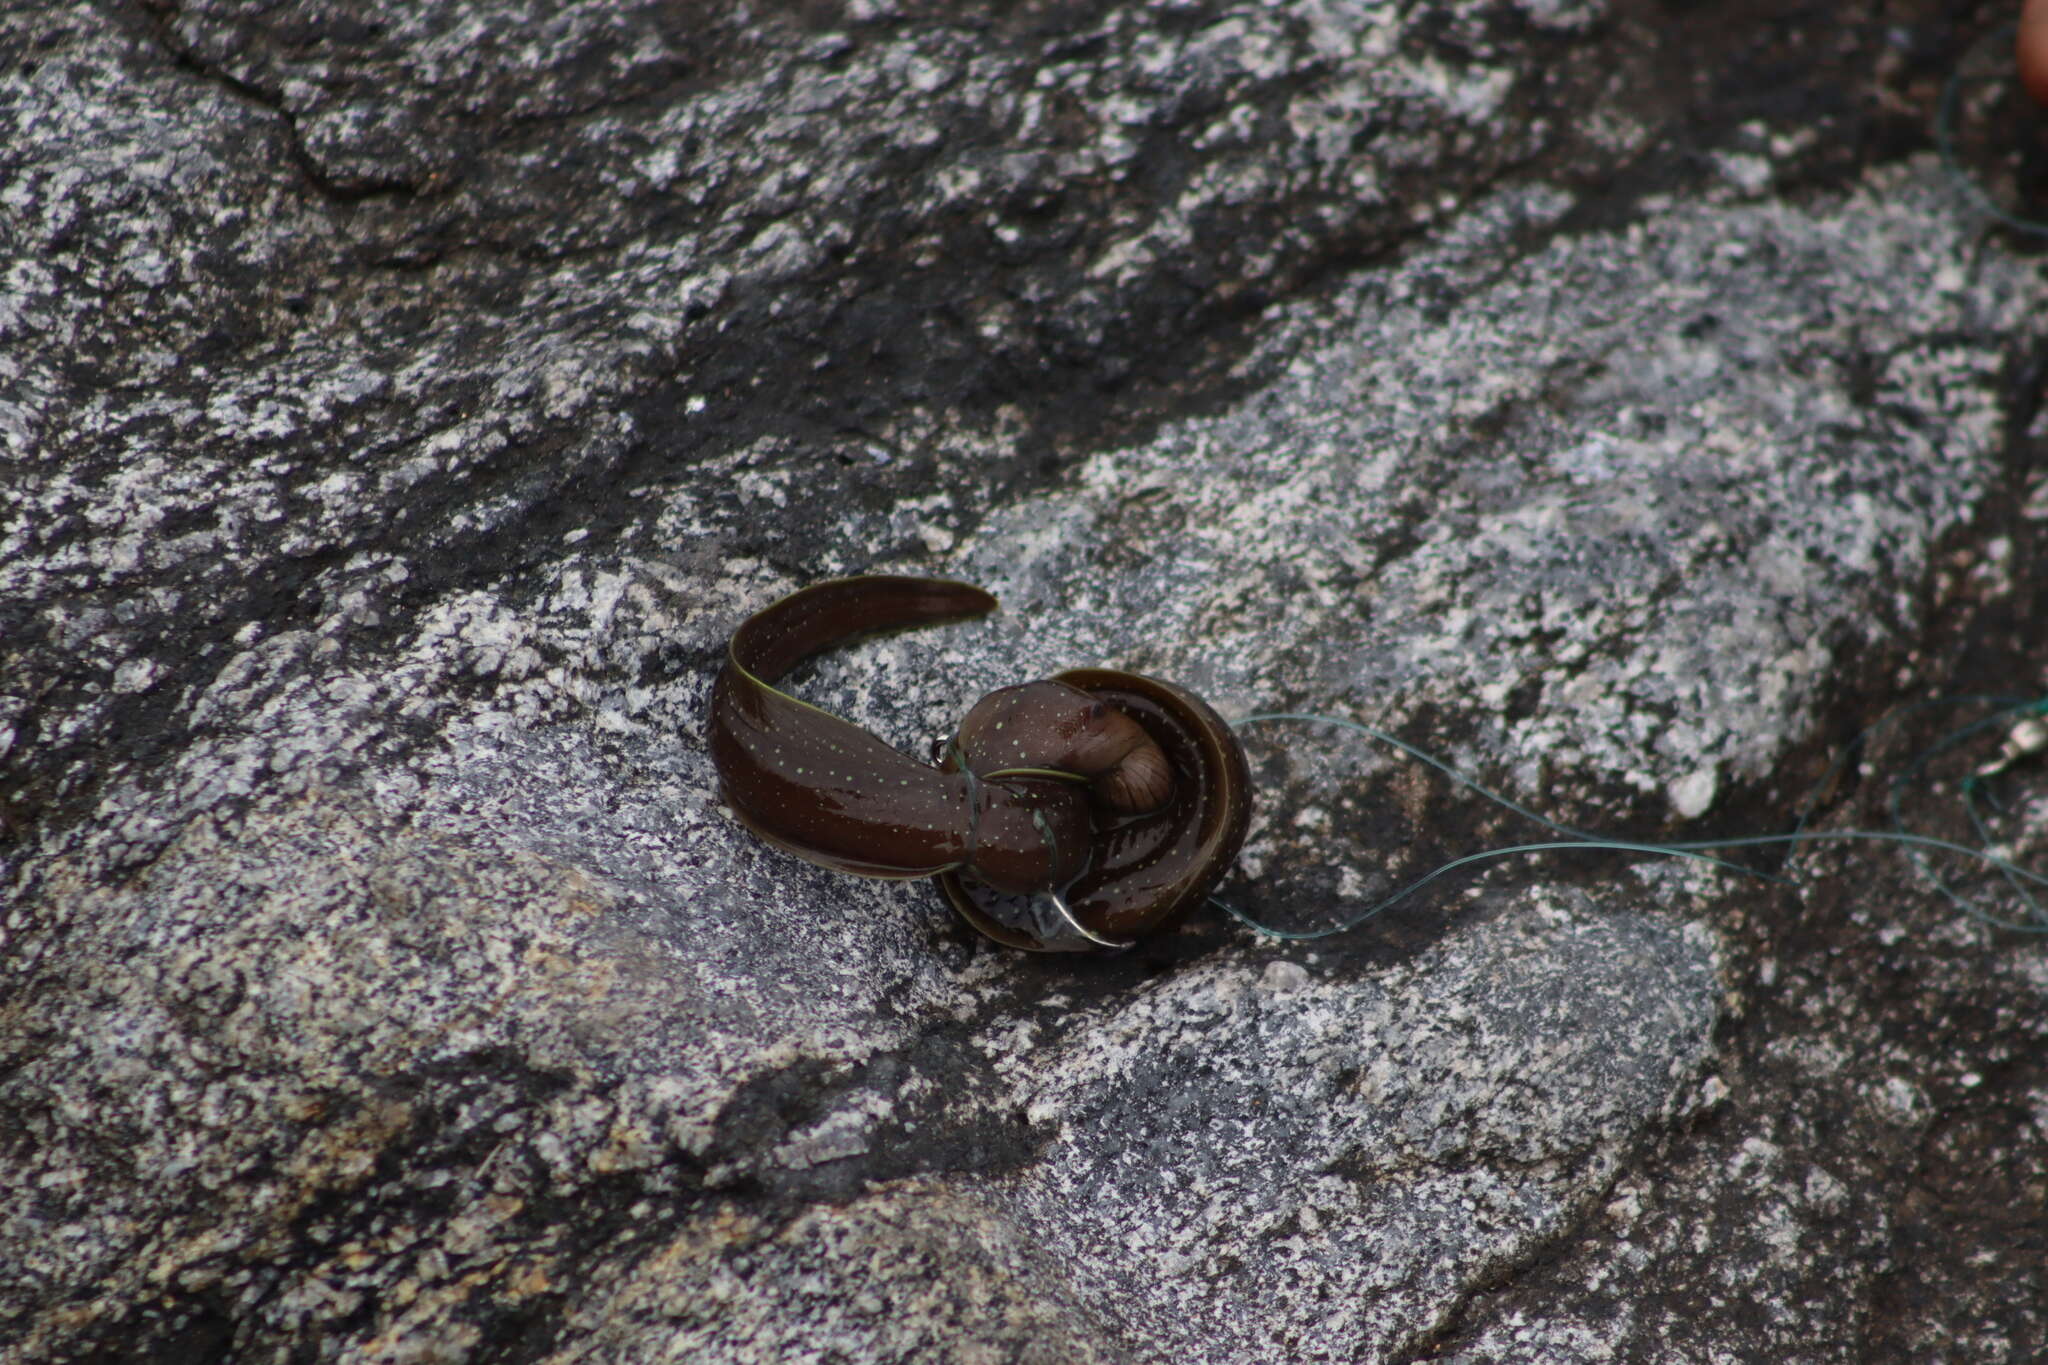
402,405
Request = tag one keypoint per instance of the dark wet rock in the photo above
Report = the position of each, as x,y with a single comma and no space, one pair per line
402,406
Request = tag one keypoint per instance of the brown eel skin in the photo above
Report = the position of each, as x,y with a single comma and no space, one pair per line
1068,814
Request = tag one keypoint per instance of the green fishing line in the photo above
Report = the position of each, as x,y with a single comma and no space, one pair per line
1947,118
1916,845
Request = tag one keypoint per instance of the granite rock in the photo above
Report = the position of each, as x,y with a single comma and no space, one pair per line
401,405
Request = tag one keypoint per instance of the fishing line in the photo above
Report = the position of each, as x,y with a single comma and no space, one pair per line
1971,787
1915,845
1948,118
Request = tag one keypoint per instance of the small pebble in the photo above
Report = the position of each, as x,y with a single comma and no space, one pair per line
1283,976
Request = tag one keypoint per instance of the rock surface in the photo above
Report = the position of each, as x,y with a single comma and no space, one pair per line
401,405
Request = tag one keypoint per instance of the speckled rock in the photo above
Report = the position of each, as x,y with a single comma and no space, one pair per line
410,402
